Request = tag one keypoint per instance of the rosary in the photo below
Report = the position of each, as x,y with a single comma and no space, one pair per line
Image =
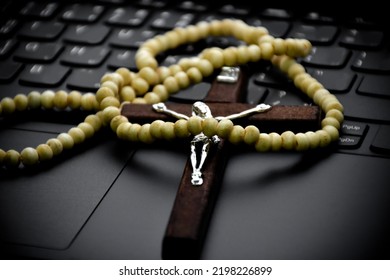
153,84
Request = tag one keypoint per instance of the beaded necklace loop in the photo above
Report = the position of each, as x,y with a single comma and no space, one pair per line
153,84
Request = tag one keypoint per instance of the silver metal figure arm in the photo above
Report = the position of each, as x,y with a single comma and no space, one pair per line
258,109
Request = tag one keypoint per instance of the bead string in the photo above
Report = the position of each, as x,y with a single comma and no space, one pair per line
154,83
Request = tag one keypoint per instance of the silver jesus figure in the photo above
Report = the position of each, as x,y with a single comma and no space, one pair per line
203,111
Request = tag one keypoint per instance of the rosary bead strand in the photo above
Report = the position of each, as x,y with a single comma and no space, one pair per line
154,83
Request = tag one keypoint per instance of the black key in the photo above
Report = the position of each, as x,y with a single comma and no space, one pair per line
44,75
330,57
361,38
277,13
192,6
171,19
277,28
255,93
381,143
8,27
192,93
353,128
6,46
8,70
40,30
85,56
349,142
234,10
373,62
282,97
87,80
271,77
334,80
86,34
39,10
152,3
127,16
83,13
318,18
38,52
122,58
375,85
130,38
317,34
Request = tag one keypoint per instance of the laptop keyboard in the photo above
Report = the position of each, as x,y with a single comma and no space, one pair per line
50,45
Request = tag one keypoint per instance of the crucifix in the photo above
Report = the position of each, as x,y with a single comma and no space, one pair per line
197,193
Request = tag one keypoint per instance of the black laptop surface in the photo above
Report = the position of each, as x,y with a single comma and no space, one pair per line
111,199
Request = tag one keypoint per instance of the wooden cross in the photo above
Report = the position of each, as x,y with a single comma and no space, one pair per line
194,205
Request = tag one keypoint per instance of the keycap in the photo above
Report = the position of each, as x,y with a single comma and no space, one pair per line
284,97
276,13
334,80
127,16
361,38
6,47
353,128
82,13
192,93
171,19
8,70
255,93
318,17
317,34
130,38
39,10
85,56
330,57
87,80
152,3
192,6
122,58
381,143
271,77
41,75
277,28
376,62
349,142
375,85
41,30
8,27
38,52
86,34
235,10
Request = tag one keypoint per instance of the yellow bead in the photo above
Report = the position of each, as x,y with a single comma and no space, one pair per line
11,159
155,128
149,75
295,70
94,121
263,144
77,134
152,98
104,92
133,132
139,100
312,88
109,102
74,99
334,113
230,56
242,55
194,125
236,135
163,73
8,105
330,121
210,127
182,79
313,138
114,77
60,100
181,129
173,39
205,67
288,140
88,129
122,130
332,131
276,141
144,134
29,156
109,113
279,46
55,145
66,141
111,85
252,134
174,69
2,156
127,93
126,74
88,102
215,57
267,50
171,85
303,143
168,131
285,62
324,138
116,121
47,98
34,100
254,53
320,95
146,62
224,128
140,85
161,92
44,152
194,75
21,102
332,104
